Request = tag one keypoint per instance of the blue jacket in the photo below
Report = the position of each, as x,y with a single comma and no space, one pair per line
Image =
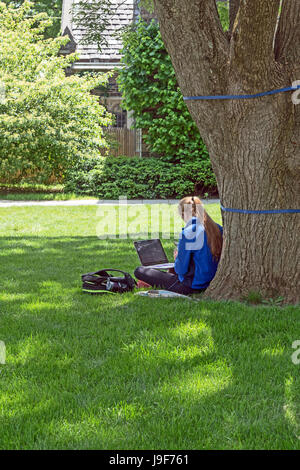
194,263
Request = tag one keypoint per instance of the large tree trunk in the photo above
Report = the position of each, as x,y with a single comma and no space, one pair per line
261,251
254,145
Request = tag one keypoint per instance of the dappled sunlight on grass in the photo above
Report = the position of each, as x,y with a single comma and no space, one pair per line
128,372
196,332
275,351
13,251
38,305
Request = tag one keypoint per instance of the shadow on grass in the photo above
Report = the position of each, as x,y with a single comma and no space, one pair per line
136,373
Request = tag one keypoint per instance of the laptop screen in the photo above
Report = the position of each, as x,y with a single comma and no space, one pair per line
150,252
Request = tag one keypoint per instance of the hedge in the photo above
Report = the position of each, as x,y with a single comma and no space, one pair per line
147,178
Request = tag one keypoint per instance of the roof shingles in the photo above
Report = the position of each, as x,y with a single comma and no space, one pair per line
124,14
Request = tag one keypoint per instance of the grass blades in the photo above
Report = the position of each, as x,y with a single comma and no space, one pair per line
128,372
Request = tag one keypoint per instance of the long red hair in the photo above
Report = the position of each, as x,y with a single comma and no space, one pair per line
191,206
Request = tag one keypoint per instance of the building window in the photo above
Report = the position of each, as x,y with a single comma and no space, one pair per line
120,118
113,106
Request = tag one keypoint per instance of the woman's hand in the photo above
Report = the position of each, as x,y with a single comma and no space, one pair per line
175,254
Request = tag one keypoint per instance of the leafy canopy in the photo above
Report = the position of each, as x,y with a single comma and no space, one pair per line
47,119
94,16
53,8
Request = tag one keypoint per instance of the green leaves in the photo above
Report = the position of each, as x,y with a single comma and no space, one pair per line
47,120
52,8
139,177
150,89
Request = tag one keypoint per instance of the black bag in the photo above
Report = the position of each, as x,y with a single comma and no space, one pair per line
101,282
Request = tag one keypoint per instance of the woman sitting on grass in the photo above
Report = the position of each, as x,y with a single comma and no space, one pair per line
197,258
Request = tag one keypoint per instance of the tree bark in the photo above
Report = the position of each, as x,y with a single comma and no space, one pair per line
261,252
254,145
233,11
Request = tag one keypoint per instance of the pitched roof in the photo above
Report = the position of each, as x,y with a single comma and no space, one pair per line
70,47
124,12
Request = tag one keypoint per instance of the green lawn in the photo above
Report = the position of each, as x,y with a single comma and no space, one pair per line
125,372
37,193
41,196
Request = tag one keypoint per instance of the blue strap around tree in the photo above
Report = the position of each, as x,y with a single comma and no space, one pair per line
246,97
274,211
241,97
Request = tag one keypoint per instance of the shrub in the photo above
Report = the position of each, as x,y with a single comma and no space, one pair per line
47,120
52,7
109,178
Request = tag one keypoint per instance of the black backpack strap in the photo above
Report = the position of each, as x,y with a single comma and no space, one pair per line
103,274
102,280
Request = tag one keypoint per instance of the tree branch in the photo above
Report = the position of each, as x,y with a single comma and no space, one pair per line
234,6
287,40
193,34
251,53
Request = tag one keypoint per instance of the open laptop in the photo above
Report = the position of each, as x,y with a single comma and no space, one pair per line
152,254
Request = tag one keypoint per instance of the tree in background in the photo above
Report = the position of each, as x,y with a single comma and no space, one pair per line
47,120
53,8
94,16
148,82
254,145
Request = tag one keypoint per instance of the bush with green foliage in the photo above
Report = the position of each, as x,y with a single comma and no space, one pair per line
52,7
109,178
150,90
47,119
